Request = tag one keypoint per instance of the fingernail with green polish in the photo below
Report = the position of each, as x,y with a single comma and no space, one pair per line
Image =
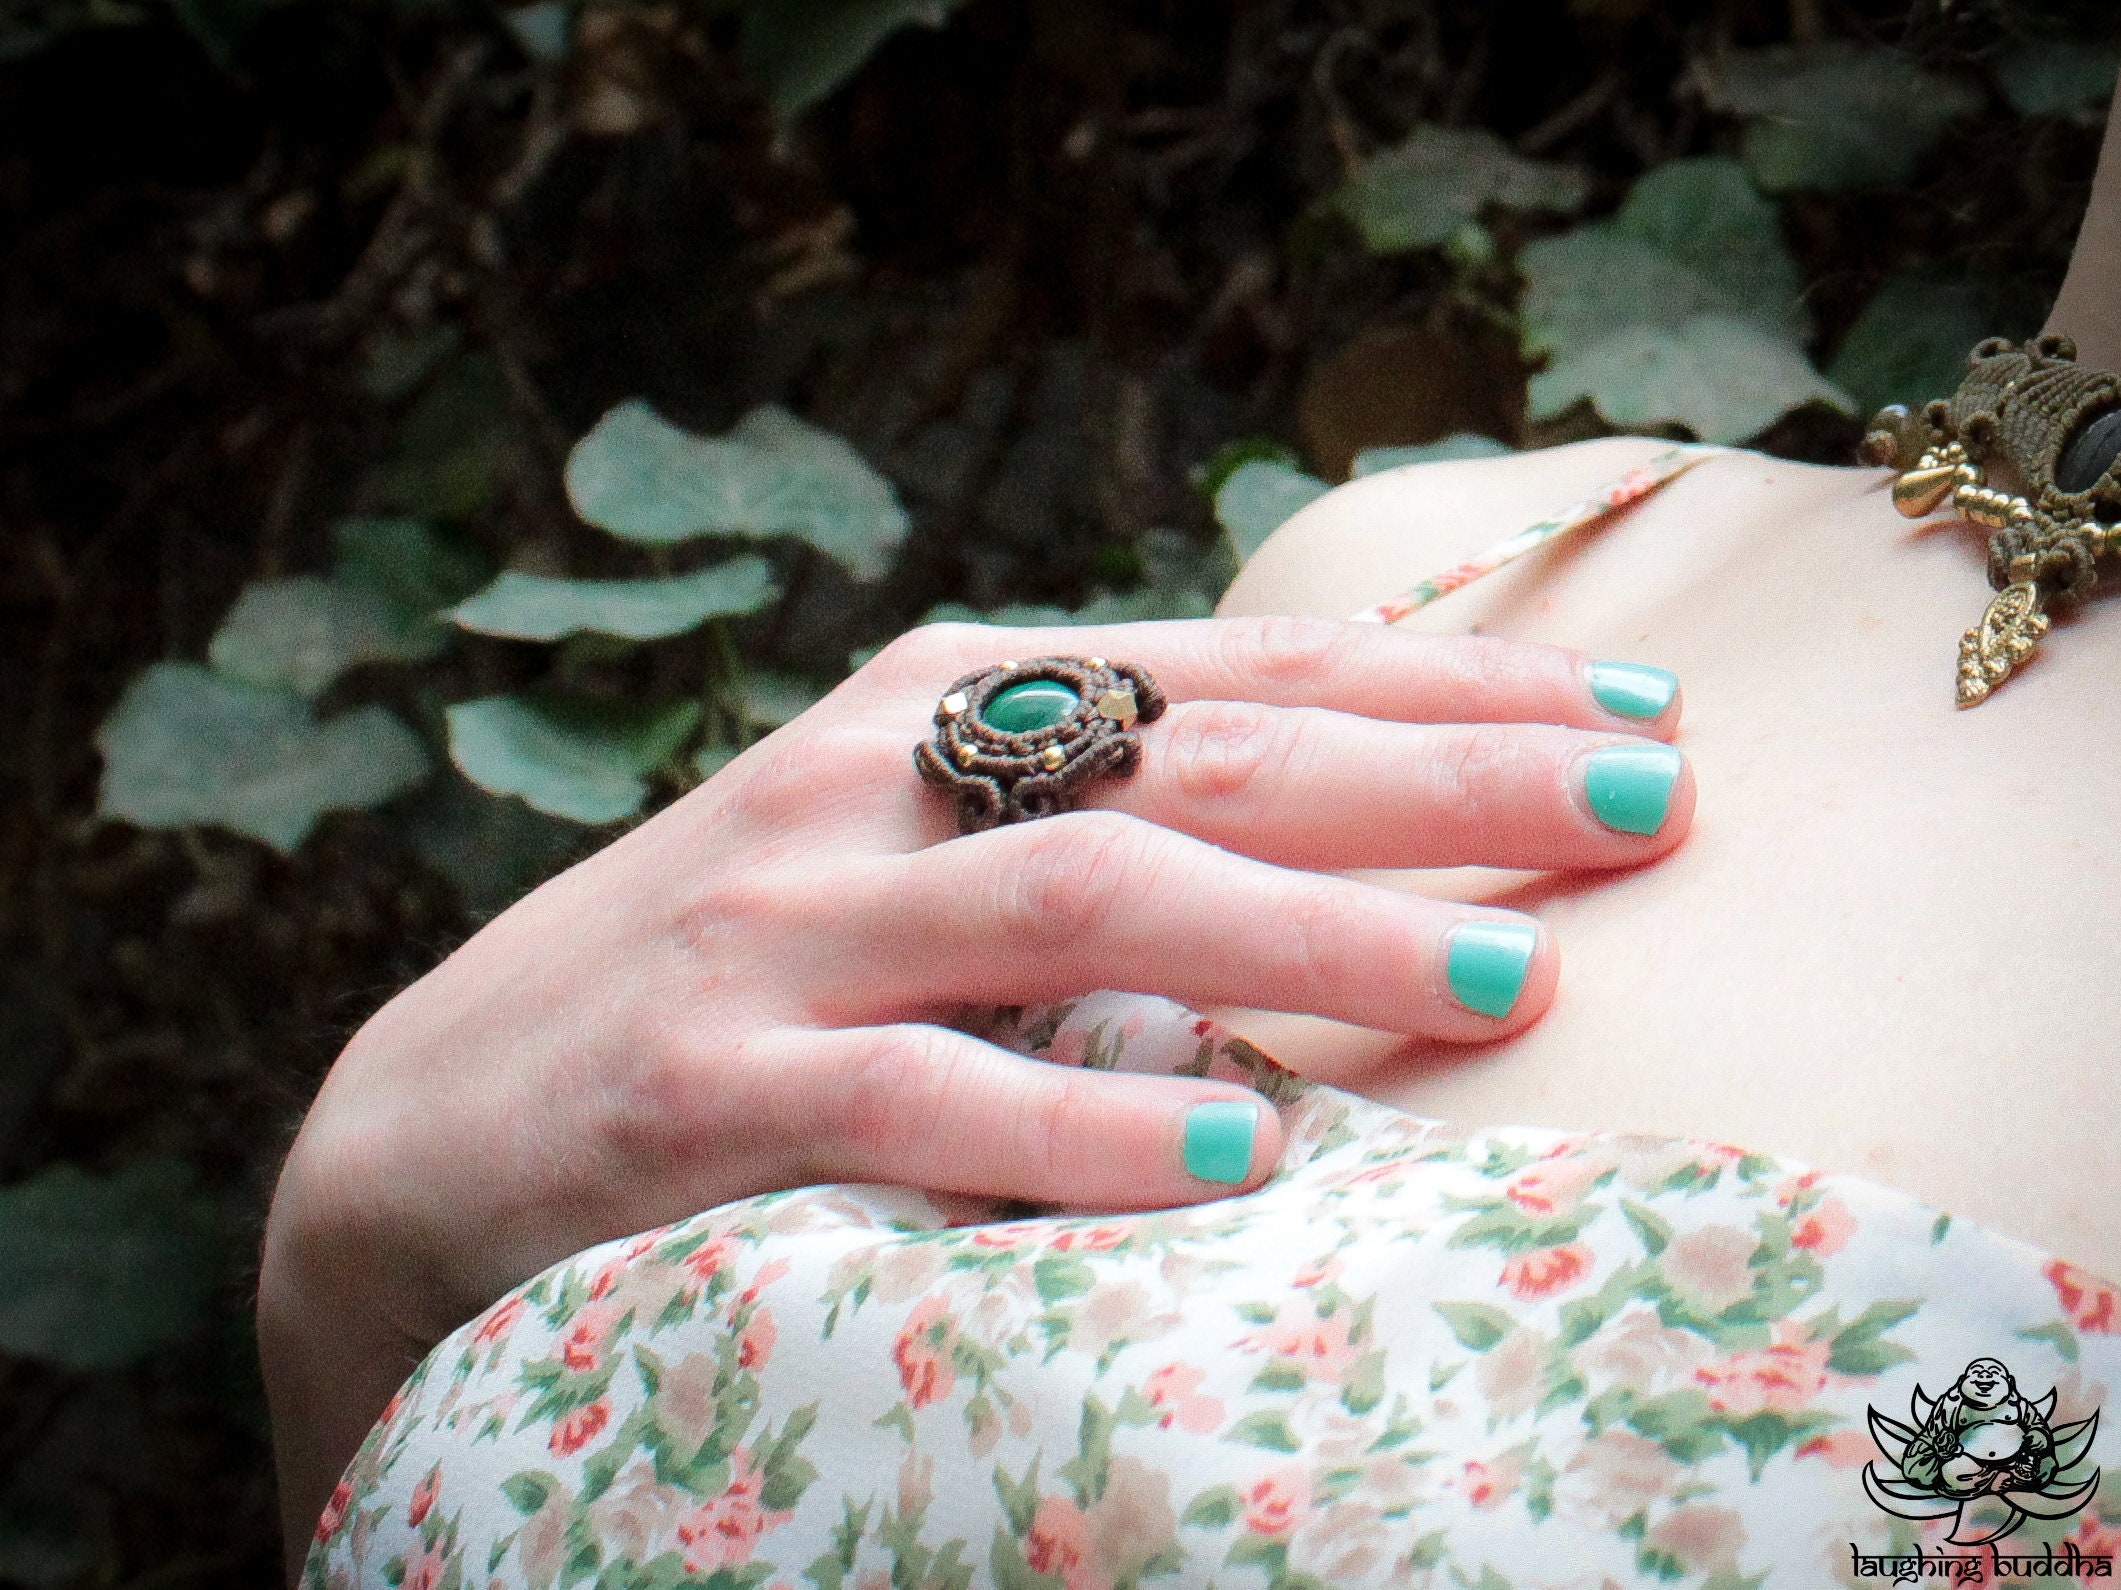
1633,690
1487,964
1219,1141
1630,786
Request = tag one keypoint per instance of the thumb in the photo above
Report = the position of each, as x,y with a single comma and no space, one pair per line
927,1107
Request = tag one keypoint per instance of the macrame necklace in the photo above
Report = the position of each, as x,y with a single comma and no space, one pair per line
2030,447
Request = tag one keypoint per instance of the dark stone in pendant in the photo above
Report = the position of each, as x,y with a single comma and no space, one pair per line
1035,704
2090,454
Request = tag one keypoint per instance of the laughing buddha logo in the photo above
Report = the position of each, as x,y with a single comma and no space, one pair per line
1982,1439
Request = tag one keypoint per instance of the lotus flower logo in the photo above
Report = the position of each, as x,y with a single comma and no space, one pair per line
1981,1439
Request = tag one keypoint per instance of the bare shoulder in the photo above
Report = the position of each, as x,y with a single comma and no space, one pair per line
1363,541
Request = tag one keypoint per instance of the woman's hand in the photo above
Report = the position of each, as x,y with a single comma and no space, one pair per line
745,993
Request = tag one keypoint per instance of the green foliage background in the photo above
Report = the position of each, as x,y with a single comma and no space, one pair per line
439,433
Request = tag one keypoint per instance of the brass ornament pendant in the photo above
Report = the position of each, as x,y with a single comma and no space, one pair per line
1023,740
2030,447
2004,638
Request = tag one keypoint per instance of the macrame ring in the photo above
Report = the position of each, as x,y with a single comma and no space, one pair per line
1011,745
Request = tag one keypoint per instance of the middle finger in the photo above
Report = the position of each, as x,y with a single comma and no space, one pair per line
1306,787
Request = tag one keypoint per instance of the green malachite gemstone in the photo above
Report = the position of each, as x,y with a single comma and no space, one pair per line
1034,704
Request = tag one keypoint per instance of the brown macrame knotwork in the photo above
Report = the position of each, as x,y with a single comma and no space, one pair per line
1001,776
2029,446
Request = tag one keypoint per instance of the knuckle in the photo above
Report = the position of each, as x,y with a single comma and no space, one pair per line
1068,875
1286,649
918,656
1220,749
1059,1114
1321,929
800,770
1488,665
889,1098
1472,764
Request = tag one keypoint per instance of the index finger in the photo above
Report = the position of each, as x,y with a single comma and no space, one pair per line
1370,670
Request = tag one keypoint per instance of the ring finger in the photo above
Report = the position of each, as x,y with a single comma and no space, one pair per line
1039,911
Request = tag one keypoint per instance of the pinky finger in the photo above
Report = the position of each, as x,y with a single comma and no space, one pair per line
927,1107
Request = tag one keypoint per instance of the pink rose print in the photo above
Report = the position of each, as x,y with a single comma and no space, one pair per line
1826,1229
1319,1271
1278,1501
1553,1186
423,1496
1545,1271
1786,1194
1094,1239
1058,1542
1174,1388
722,1533
709,1259
1781,1378
334,1513
922,1353
755,1346
1071,1046
1320,1345
424,1571
499,1321
2090,1303
584,1345
577,1429
769,1272
1487,1485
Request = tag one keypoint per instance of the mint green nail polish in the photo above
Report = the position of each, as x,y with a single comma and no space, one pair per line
1633,690
1219,1141
1630,786
1487,964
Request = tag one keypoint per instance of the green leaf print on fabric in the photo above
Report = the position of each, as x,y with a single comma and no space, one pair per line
1266,1428
1476,1325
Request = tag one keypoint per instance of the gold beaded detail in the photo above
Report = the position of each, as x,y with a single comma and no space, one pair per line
2017,412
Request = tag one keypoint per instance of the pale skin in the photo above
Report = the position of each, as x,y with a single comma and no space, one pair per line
1892,915
745,992
1890,944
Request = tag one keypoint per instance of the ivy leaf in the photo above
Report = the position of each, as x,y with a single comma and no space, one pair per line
188,745
407,561
1911,341
799,51
1683,307
1258,498
103,1271
643,479
772,699
2058,77
539,607
1461,444
1836,115
586,761
493,848
304,632
1721,376
1428,190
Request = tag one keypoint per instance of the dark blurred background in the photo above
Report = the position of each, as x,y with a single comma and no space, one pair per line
1053,268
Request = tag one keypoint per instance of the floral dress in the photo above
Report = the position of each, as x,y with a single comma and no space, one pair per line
1417,1356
